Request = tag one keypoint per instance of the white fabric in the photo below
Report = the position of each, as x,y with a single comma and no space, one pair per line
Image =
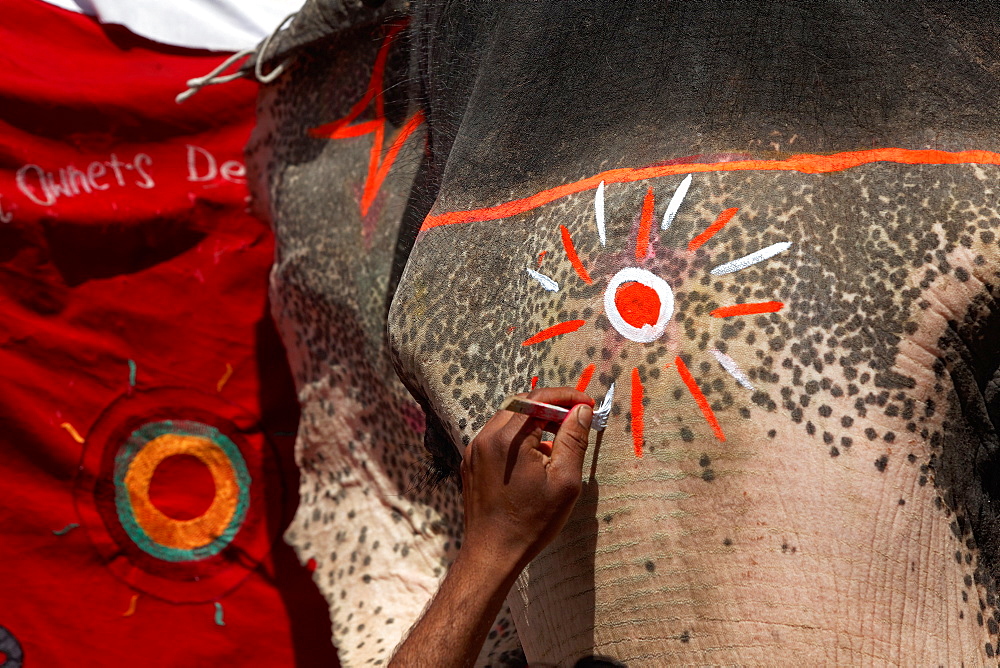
219,25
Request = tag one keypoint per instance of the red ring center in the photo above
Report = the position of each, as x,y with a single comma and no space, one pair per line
638,304
182,487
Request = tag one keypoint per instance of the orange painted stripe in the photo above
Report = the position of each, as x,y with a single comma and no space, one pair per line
337,129
699,398
710,231
374,154
341,129
638,422
645,225
574,259
555,330
805,163
378,166
588,373
374,182
747,309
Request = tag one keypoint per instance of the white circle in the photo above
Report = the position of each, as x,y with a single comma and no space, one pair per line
647,332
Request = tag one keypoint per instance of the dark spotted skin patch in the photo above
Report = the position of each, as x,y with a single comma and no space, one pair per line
835,372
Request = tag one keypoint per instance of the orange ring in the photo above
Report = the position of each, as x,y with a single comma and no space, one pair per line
167,531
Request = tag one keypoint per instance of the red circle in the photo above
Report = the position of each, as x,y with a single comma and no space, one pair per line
3,657
182,487
638,304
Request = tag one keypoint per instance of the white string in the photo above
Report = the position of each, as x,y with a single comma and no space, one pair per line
216,77
276,72
196,84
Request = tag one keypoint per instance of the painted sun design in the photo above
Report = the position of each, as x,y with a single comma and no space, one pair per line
639,304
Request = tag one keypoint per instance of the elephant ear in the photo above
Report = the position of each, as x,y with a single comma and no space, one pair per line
315,22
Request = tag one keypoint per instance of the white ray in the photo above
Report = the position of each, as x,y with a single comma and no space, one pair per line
599,213
734,370
603,412
752,258
546,282
675,202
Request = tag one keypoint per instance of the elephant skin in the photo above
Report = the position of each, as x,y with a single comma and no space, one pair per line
810,479
377,530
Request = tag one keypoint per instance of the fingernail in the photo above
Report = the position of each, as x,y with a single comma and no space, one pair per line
584,415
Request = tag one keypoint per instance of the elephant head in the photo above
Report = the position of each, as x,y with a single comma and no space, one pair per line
768,232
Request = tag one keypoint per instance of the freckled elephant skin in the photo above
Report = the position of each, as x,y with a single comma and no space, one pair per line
831,498
379,535
720,548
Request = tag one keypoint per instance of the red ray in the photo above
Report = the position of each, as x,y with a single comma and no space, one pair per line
337,131
376,176
588,373
638,423
541,256
378,167
645,225
699,398
555,330
574,259
719,223
534,382
747,309
340,129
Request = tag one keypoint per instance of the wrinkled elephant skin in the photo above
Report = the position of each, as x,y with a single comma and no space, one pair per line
800,463
377,535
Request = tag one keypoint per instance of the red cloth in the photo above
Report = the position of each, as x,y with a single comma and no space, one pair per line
127,256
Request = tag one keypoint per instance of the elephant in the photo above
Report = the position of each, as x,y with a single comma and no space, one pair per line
764,235
373,523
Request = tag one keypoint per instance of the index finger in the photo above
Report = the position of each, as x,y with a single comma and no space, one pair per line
548,406
560,396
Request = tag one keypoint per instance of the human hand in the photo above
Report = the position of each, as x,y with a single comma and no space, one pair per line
518,492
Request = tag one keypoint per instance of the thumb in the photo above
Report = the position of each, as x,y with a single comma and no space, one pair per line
570,442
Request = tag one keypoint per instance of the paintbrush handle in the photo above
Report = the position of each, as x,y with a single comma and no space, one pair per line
535,409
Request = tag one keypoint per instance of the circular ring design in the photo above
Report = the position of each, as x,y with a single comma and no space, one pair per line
647,332
153,531
160,533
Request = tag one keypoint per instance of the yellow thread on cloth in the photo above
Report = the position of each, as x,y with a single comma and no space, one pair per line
167,531
225,378
72,432
131,606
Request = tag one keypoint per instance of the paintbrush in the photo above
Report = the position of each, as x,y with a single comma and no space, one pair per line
552,413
